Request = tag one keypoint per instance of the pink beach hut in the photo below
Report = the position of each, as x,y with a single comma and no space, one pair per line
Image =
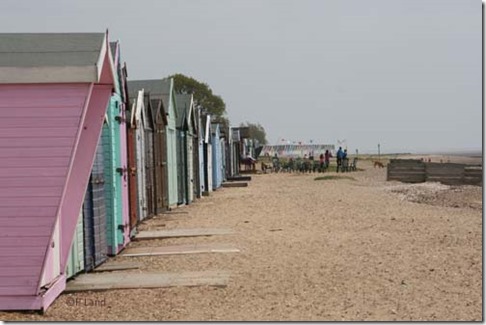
54,91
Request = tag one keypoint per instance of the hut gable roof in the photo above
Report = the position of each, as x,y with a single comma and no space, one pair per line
156,87
159,89
53,57
184,103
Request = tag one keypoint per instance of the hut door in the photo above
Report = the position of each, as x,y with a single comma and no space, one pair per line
141,194
163,168
132,177
189,169
195,167
181,174
160,170
149,171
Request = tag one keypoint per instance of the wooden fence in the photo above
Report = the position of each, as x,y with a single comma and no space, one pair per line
417,171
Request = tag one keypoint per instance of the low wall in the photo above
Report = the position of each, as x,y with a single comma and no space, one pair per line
406,170
417,171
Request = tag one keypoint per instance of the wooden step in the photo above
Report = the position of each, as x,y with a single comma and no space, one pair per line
239,178
146,280
180,249
158,234
239,184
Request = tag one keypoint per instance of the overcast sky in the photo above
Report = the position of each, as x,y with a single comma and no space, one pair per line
405,74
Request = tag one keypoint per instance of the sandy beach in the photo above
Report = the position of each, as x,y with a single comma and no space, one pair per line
316,250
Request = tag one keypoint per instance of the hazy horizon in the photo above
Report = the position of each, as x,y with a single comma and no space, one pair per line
402,73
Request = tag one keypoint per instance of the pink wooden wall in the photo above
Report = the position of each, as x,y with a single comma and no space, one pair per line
48,139
38,132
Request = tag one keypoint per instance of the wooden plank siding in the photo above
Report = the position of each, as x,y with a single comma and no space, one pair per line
140,143
82,163
121,96
141,195
111,149
38,128
94,213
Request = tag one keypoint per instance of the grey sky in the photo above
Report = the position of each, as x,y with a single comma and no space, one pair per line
406,74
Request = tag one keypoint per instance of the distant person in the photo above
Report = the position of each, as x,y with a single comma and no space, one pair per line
322,162
311,162
344,161
276,163
327,156
290,165
339,159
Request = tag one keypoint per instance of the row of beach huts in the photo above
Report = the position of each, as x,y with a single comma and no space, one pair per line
87,154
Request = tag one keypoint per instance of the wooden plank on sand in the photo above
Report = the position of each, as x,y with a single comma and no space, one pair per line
180,249
242,184
239,178
148,280
175,212
116,267
157,234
